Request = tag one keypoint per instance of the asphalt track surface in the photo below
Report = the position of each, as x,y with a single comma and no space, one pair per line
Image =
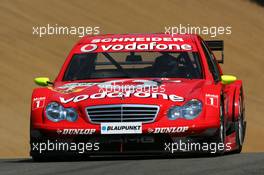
245,163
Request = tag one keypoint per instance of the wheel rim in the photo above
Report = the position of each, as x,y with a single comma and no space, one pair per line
240,124
222,135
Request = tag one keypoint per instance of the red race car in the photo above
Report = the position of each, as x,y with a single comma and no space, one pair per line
138,94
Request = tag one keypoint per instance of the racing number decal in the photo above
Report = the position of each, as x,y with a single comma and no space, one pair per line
38,102
211,100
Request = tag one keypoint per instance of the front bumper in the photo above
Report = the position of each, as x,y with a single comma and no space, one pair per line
182,129
148,142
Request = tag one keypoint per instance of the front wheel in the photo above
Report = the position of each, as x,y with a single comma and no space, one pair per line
222,130
240,127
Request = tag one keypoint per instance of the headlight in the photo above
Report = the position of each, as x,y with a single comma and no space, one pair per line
56,112
189,111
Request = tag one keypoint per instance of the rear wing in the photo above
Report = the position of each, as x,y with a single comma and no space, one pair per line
217,45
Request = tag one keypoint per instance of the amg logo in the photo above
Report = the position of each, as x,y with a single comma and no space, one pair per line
141,139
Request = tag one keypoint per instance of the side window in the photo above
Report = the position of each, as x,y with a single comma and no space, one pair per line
211,62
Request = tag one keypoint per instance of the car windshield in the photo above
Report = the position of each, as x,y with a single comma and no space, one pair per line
134,65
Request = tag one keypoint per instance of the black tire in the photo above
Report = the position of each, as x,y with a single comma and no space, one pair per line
36,156
240,127
40,158
222,129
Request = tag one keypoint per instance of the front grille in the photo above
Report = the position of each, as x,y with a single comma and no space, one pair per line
122,113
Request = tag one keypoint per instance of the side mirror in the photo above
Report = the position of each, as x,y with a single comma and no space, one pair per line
228,79
42,81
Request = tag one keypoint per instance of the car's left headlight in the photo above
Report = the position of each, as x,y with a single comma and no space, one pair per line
56,112
188,111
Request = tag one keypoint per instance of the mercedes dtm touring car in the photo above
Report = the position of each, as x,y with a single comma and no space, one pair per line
138,94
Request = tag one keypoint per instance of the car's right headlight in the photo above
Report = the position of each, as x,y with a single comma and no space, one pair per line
56,112
188,111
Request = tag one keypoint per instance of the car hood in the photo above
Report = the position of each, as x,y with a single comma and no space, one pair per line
130,91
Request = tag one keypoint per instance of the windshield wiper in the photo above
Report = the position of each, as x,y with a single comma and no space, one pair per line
118,66
158,81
